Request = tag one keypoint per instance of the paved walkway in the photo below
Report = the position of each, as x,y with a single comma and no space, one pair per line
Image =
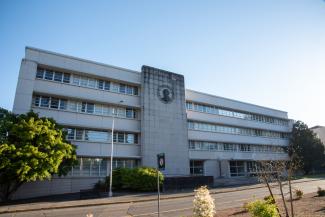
134,198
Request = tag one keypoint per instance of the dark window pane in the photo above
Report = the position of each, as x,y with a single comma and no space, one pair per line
70,134
90,107
107,85
40,73
83,107
54,103
100,84
121,137
122,88
135,91
49,75
36,100
66,78
129,113
58,76
129,90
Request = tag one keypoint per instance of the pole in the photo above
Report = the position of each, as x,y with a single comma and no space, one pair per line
158,192
110,194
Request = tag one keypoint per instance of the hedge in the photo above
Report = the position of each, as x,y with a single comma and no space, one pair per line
136,179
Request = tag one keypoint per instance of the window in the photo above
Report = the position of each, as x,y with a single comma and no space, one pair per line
76,80
40,73
83,107
121,137
45,101
196,167
84,81
63,104
122,88
130,113
129,90
98,109
58,76
237,168
71,133
48,75
54,103
36,101
100,84
115,87
66,78
79,134
107,85
130,138
90,108
91,83
96,136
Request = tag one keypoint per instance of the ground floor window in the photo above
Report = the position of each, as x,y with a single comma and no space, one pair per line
237,168
196,167
94,167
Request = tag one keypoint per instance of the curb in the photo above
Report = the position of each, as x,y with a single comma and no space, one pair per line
136,201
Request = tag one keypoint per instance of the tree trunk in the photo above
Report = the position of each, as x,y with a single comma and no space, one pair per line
271,193
283,199
290,190
8,189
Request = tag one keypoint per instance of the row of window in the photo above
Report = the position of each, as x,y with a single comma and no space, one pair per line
230,113
84,81
219,146
99,166
192,125
82,107
101,136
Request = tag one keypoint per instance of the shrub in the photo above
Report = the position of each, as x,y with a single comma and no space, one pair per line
269,199
299,193
320,192
260,208
137,179
203,203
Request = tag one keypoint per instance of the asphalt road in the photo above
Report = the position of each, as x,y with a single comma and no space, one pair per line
168,208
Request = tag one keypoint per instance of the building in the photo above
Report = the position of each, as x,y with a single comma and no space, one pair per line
320,132
200,134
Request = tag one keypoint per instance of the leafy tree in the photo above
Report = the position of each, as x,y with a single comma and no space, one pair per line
306,148
31,148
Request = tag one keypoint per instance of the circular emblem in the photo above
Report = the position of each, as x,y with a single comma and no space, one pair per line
165,93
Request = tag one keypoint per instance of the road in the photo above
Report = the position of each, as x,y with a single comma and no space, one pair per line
168,208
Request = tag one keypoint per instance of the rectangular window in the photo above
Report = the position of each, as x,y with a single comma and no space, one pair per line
121,137
135,91
196,167
70,135
91,83
237,168
90,108
107,110
130,113
100,84
115,87
36,101
122,88
76,80
84,81
72,105
66,78
83,107
40,73
58,76
98,109
79,134
129,90
63,104
49,75
107,85
54,103
45,101
130,138
96,136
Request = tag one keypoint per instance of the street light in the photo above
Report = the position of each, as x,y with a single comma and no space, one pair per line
110,193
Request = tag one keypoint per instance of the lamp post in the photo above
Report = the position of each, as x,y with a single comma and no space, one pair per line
110,193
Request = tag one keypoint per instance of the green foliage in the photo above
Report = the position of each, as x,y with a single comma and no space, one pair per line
31,149
320,192
299,193
260,208
306,148
136,179
269,199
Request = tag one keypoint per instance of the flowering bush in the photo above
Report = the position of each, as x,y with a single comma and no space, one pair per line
261,208
203,203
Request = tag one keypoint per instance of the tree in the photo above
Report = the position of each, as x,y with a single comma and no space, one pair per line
306,148
31,148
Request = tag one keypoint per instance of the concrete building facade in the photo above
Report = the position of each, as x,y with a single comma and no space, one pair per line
200,134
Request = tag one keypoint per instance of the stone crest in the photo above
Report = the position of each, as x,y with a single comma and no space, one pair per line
165,93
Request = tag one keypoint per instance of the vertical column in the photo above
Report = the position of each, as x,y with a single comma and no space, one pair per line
25,85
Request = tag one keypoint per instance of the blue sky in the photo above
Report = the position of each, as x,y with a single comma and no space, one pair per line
266,52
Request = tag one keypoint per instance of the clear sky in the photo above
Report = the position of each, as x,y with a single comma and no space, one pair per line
266,52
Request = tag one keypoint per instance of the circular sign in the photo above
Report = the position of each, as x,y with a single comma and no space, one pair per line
165,93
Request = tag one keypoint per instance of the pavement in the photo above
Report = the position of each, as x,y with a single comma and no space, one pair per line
133,198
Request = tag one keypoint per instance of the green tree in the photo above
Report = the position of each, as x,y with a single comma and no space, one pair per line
306,148
31,148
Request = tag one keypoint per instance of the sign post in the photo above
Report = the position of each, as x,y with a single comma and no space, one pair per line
160,167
